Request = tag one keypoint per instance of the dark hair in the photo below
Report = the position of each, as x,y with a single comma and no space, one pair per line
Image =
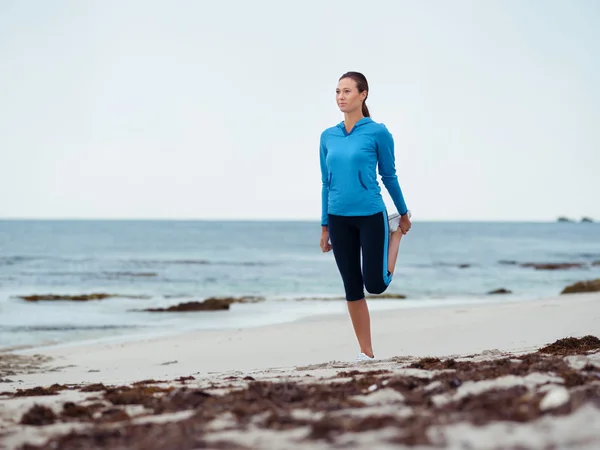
362,85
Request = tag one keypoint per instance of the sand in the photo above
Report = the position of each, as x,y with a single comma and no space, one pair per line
449,377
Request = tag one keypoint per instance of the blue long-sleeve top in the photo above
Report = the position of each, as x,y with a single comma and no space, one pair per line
349,163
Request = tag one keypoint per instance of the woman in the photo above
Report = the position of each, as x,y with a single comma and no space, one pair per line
353,215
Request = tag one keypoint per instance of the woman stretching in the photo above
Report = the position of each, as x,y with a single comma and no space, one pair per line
353,215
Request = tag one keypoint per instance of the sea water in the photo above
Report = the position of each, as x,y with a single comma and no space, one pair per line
170,262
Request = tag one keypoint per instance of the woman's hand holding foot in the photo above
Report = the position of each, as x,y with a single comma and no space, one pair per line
405,223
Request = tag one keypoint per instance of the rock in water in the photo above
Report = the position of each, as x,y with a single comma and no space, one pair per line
207,305
73,298
553,266
500,291
583,286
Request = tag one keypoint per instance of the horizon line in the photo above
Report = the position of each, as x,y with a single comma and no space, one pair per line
264,219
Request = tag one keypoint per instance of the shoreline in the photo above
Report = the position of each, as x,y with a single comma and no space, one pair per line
424,331
375,305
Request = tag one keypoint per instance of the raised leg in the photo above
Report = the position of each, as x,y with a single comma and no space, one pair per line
393,247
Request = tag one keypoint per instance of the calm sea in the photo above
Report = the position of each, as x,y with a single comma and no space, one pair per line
169,262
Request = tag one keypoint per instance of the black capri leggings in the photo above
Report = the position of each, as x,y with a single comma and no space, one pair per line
348,234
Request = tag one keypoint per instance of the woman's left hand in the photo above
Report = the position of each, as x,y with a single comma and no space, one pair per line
405,223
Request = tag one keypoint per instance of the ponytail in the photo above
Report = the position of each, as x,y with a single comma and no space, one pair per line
365,110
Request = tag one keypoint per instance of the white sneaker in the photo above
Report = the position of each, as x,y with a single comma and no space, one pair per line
394,221
362,357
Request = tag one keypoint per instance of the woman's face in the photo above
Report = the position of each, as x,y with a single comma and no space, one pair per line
347,96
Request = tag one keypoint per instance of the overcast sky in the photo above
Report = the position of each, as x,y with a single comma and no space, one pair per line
213,109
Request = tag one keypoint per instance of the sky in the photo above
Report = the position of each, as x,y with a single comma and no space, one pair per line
146,109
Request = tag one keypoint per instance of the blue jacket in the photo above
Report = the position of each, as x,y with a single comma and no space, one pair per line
348,170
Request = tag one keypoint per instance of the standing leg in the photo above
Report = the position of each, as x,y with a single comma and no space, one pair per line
361,321
345,243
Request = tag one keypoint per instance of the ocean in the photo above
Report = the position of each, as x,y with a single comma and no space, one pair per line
162,263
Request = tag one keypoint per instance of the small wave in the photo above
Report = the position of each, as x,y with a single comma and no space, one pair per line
584,255
58,273
241,263
183,261
589,255
12,260
99,274
21,259
201,262
230,263
129,274
24,328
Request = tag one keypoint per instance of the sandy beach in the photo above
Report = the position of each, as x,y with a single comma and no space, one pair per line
479,375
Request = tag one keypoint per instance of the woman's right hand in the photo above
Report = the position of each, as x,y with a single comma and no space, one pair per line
325,244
